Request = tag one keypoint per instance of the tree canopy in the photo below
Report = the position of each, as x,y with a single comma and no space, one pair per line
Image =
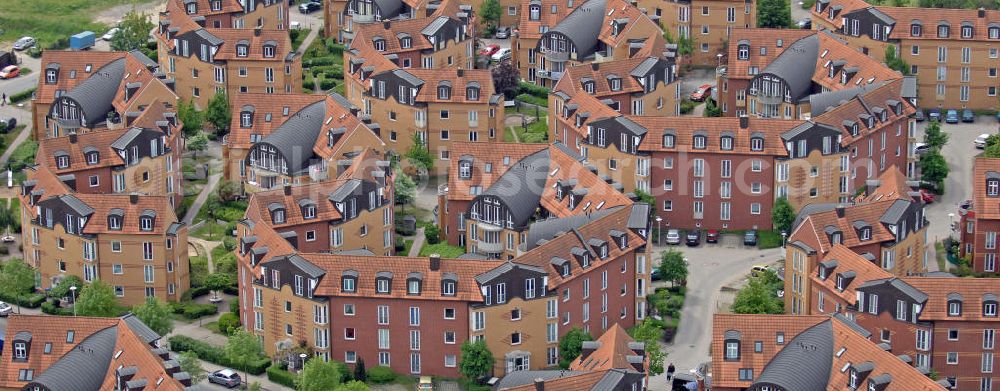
673,267
759,296
934,136
190,116
783,214
62,288
774,14
933,166
571,344
133,32
318,375
242,348
476,360
155,314
490,11
418,155
16,279
97,299
190,363
992,146
197,143
896,62
649,332
406,189
218,112
505,79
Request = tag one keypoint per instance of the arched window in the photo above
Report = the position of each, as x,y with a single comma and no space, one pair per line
534,12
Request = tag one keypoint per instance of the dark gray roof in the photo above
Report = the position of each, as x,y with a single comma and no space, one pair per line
895,212
909,89
548,229
989,297
23,336
610,381
500,270
568,151
864,367
821,102
475,256
415,275
521,187
803,246
96,94
345,190
630,125
639,218
520,378
954,296
416,81
434,26
140,329
357,252
804,363
83,367
796,65
306,266
732,334
383,274
829,264
859,224
643,68
390,8
582,26
77,205
295,138
810,209
275,206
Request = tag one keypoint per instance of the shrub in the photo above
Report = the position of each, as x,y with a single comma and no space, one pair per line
229,243
281,376
433,234
327,84
50,308
33,300
22,96
528,88
228,323
319,62
381,375
192,310
215,354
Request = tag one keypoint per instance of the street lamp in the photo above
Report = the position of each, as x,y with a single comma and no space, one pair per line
303,357
719,56
659,227
72,290
783,236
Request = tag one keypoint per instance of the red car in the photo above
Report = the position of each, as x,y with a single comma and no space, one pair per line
10,72
927,196
712,236
702,93
489,50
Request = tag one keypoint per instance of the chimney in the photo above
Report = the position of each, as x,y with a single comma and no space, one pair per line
744,122
435,262
840,211
594,66
72,138
288,190
257,30
133,198
386,24
460,72
982,12
539,384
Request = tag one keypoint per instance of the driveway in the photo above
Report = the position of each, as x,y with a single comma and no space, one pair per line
23,82
710,267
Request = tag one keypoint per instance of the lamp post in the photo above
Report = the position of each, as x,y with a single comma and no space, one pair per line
719,56
659,227
72,290
783,236
303,357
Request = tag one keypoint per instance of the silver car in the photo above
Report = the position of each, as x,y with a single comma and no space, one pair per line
24,43
673,236
226,377
5,309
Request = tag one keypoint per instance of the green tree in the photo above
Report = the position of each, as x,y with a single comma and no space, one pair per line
8,218
218,112
992,146
673,267
216,282
133,32
190,363
16,280
476,360
896,62
933,167
190,116
61,289
571,344
353,385
934,136
774,14
418,154
490,12
228,190
97,299
317,375
711,109
359,370
405,191
783,214
759,296
198,143
155,314
242,348
649,332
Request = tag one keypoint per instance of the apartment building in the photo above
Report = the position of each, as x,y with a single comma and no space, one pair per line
594,31
709,23
497,191
887,227
980,221
437,106
132,242
86,91
805,352
438,41
613,361
952,52
753,49
140,155
203,61
237,14
295,139
84,353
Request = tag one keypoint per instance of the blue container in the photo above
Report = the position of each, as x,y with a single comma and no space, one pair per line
82,41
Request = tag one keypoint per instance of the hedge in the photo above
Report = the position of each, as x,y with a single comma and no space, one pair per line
49,308
192,310
327,84
215,355
381,375
32,300
528,88
281,376
22,96
320,61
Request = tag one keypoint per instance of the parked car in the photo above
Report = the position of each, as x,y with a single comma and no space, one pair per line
673,236
655,275
108,36
10,72
693,238
951,117
226,377
5,309
750,238
712,236
919,116
980,141
503,32
489,50
7,124
308,8
425,384
927,196
24,43
968,116
919,148
757,270
501,54
702,93
805,24
934,114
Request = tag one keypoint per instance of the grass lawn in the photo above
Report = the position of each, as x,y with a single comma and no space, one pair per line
508,135
210,231
49,20
213,327
9,137
300,36
941,255
536,131
407,245
444,249
768,239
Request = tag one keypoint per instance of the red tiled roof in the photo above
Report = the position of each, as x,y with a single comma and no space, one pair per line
930,18
972,291
759,38
136,353
986,207
531,29
612,354
261,202
864,104
410,27
848,260
846,7
263,105
812,229
857,349
100,140
752,328
870,70
104,203
484,153
232,36
621,9
205,7
45,330
583,381
600,195
70,62
684,129
893,185
571,79
431,78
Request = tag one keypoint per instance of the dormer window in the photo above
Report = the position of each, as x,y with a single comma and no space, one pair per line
62,160
50,76
449,281
954,304
732,343
822,272
616,84
192,8
668,141
836,238
472,93
405,42
444,92
916,30
743,52
989,305
756,143
700,142
309,212
726,143
93,158
852,381
854,129
146,223
242,50
413,283
216,5
994,32
349,281
993,187
589,87
246,119
269,51
866,233
534,12
465,170
966,31
383,280
943,30
843,78
379,44
565,270
278,215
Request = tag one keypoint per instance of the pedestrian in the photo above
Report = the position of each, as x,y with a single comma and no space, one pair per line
670,371
3,99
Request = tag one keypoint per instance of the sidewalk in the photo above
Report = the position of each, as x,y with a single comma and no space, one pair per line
213,181
418,242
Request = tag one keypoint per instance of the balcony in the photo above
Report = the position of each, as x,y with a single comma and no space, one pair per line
556,56
545,74
317,172
770,99
363,18
486,247
487,226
